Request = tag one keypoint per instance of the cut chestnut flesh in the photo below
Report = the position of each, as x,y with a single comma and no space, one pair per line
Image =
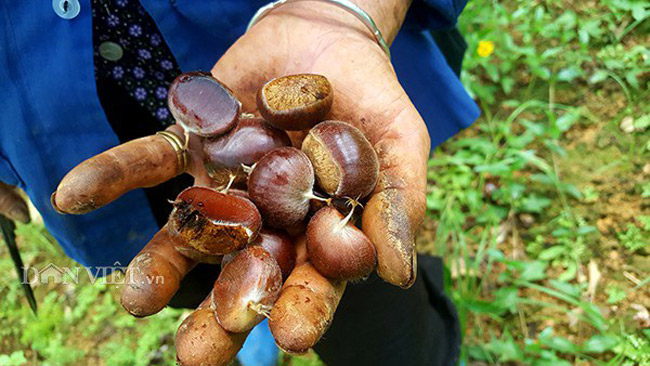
202,104
245,144
213,223
295,102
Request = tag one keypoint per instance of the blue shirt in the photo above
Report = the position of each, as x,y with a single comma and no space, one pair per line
51,118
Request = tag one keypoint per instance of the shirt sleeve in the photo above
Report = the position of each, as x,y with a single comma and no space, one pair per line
7,173
434,14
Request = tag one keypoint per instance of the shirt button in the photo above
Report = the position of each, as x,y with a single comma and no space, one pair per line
110,51
66,9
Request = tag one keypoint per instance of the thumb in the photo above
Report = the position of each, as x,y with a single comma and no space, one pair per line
396,209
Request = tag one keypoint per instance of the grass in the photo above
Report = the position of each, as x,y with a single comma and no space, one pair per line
541,209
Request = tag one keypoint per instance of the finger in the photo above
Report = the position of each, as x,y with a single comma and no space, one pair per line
141,163
305,309
154,276
12,204
195,165
200,340
397,206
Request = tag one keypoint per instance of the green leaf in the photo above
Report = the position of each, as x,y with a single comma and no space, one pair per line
598,76
570,272
569,74
17,358
507,83
478,353
534,203
567,120
552,252
599,344
567,288
557,343
507,298
639,12
483,307
505,348
642,122
645,221
533,271
632,78
584,230
615,294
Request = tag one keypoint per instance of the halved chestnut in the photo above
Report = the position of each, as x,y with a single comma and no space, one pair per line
212,223
295,102
243,145
202,104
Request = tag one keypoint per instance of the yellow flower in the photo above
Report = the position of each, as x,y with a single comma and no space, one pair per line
485,48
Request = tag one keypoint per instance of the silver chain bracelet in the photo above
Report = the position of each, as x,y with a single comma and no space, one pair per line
346,5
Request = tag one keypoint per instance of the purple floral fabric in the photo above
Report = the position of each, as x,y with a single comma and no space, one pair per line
147,66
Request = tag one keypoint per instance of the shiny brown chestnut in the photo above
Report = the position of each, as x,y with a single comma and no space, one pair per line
345,163
202,104
295,102
280,247
337,248
212,223
246,289
245,144
281,185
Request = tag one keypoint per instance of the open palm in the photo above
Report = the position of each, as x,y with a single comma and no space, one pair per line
368,95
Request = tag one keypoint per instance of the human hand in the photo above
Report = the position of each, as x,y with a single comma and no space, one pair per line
12,204
321,40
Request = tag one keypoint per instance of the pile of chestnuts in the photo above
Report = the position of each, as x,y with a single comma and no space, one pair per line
265,190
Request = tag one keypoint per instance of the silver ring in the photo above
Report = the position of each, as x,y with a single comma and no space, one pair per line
346,5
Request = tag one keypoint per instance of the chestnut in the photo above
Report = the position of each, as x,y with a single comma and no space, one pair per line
295,102
246,289
245,144
278,245
338,249
345,163
202,104
212,223
281,185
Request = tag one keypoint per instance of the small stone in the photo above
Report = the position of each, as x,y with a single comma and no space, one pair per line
627,124
527,220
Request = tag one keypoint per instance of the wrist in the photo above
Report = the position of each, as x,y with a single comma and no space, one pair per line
388,15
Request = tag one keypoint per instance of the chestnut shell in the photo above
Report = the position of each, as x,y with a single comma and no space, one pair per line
295,102
339,252
202,104
212,223
279,186
345,163
280,247
245,144
251,278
